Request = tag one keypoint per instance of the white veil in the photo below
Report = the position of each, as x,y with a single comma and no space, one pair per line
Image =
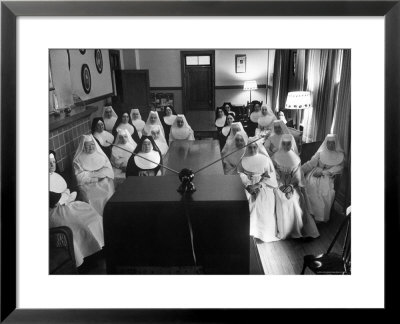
181,132
287,159
147,127
109,122
331,157
138,123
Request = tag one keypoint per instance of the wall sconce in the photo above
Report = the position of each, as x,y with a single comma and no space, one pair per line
250,85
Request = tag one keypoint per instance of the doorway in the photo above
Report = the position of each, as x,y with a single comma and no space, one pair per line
198,80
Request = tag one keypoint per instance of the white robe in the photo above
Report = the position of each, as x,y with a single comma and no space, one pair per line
85,223
262,209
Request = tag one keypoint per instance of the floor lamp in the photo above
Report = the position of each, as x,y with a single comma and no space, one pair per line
298,100
250,85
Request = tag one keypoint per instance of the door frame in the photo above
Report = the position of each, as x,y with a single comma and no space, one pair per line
199,53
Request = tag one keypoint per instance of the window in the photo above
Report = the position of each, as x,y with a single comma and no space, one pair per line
198,60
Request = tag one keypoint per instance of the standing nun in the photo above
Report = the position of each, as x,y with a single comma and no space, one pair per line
86,224
146,159
137,121
238,144
94,173
292,206
109,117
102,137
225,131
259,179
167,120
121,152
180,130
320,172
125,123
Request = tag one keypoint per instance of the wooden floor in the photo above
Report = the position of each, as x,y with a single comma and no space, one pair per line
286,257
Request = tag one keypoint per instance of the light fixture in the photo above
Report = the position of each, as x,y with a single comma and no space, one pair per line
298,100
250,85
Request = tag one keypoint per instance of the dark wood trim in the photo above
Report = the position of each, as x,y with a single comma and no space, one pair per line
166,88
76,114
201,8
92,100
239,87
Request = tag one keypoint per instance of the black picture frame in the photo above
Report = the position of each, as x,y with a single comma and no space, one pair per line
86,78
240,63
11,10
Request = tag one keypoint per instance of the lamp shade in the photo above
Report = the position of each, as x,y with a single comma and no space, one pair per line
250,85
298,100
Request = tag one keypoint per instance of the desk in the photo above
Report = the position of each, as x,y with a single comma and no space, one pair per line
193,154
146,220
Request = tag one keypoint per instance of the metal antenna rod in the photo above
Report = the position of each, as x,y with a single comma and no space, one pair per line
134,154
227,155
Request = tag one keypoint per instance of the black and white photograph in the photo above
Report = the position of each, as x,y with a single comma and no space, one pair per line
209,161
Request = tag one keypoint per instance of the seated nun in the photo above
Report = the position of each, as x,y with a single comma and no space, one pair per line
125,123
228,110
152,120
292,207
121,152
109,117
273,141
281,116
85,223
220,119
94,173
167,120
146,160
180,130
159,139
102,137
258,175
137,121
225,131
235,127
265,122
253,119
320,172
234,153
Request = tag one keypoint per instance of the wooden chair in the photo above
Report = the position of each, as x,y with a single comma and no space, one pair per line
61,254
330,262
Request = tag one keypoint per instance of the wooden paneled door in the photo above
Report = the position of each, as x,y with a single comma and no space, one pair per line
133,88
198,80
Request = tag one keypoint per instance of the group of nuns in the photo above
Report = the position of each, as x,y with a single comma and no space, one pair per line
286,198
102,161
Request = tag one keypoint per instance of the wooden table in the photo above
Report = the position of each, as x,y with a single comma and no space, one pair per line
202,123
146,222
194,155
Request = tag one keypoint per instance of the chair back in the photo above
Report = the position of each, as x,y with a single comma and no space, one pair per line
62,256
346,247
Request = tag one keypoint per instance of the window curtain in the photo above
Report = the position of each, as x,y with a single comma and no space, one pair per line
317,72
280,79
342,127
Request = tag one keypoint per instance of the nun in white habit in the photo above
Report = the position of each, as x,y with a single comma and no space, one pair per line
265,121
235,128
273,141
109,117
159,139
237,146
180,130
257,173
137,121
120,155
86,224
152,120
320,172
94,173
292,207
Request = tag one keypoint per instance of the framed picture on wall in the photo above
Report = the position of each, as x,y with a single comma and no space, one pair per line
240,63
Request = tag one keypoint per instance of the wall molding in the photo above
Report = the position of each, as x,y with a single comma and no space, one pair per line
221,87
165,88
